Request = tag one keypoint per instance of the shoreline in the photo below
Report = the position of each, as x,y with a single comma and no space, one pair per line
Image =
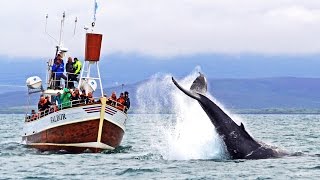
22,110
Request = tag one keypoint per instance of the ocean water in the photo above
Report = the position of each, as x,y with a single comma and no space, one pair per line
181,145
163,146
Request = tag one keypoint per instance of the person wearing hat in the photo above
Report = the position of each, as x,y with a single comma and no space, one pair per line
77,67
127,100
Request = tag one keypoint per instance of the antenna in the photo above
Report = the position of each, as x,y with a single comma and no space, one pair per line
61,28
94,14
45,29
75,26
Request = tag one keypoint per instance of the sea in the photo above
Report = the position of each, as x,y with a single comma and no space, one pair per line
182,144
154,147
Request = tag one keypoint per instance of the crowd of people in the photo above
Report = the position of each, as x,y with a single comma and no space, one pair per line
73,68
122,103
72,98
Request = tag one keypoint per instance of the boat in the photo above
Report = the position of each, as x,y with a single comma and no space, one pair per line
78,126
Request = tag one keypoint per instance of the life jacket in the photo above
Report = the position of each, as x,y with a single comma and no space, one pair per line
121,100
120,105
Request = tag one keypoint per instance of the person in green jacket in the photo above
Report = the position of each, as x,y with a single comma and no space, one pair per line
65,98
76,67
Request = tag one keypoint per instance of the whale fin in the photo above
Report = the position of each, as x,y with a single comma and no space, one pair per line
244,130
187,92
242,127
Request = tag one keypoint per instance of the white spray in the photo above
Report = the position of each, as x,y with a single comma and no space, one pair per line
191,135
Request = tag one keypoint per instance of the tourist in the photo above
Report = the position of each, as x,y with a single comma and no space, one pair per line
75,97
113,98
65,98
127,100
43,105
83,97
90,98
54,107
121,102
57,99
70,73
59,56
48,100
57,70
34,115
121,99
77,68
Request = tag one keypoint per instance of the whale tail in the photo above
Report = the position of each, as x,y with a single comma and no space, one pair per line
199,85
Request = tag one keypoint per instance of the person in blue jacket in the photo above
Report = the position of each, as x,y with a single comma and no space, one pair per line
57,70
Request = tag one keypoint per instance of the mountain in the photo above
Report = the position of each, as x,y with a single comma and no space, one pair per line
130,68
257,93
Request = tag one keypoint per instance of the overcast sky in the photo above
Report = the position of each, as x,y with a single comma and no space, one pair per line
164,28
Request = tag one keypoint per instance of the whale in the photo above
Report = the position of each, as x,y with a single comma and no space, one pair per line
239,144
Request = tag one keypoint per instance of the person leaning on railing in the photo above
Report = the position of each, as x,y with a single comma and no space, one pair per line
34,115
70,73
58,99
83,97
75,97
43,105
53,107
57,70
127,101
65,98
77,65
90,99
113,98
121,101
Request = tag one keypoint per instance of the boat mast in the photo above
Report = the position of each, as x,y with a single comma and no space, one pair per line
59,47
61,28
92,56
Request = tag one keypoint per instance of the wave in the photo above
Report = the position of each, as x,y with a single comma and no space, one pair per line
190,135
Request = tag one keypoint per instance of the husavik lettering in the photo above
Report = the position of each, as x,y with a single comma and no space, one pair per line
59,117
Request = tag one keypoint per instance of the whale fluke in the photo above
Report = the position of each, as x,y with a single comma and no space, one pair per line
199,85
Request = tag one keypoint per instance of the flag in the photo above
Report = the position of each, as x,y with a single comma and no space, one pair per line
95,10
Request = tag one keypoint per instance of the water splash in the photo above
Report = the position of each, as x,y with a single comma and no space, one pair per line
191,135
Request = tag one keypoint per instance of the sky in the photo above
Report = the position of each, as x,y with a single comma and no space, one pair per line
164,28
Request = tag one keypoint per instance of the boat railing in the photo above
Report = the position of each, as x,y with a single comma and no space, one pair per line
69,78
73,103
117,105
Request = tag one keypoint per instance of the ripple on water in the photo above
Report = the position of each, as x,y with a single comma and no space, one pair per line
149,156
316,167
120,149
137,171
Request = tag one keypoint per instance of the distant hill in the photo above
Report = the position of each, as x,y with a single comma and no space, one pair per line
259,93
129,68
282,92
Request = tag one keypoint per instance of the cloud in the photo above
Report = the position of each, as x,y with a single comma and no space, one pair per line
165,28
